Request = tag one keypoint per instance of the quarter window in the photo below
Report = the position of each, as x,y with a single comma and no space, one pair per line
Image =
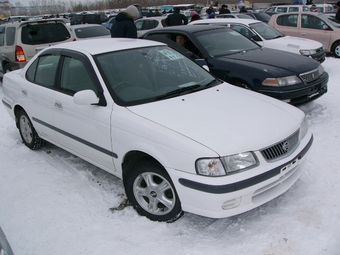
43,70
10,35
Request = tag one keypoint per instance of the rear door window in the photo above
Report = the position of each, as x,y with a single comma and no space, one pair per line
33,34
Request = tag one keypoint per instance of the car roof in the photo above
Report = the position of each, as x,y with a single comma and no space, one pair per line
225,20
105,45
35,21
186,28
85,25
155,18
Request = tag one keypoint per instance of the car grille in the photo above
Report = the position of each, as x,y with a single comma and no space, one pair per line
310,76
281,149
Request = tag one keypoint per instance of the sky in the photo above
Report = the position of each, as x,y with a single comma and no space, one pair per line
53,203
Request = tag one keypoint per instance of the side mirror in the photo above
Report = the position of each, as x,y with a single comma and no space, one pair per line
85,97
325,27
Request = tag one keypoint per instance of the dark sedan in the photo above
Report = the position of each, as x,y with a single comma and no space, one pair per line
232,57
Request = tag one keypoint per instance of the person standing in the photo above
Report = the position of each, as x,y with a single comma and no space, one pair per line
194,16
337,16
125,23
176,19
224,9
211,13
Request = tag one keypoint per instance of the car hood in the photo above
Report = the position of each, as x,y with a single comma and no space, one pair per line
294,43
273,61
225,118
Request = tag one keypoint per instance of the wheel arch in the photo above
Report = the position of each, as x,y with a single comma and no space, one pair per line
16,111
131,158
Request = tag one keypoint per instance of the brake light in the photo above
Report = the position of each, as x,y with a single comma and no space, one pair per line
19,54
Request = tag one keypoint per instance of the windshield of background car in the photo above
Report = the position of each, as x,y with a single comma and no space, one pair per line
40,33
220,42
266,31
331,19
151,74
87,32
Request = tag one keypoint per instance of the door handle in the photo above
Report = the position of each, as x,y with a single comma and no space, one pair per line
58,105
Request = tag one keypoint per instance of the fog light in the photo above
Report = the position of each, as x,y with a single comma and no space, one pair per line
231,203
286,100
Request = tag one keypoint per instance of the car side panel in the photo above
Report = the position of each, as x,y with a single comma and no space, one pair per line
95,130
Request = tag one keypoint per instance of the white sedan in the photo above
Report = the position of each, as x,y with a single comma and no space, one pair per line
89,31
269,37
181,140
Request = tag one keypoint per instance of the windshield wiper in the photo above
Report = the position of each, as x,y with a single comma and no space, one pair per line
212,83
179,91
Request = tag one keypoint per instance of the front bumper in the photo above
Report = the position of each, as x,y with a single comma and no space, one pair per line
226,196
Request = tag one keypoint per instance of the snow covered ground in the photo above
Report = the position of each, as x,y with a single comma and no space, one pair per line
53,203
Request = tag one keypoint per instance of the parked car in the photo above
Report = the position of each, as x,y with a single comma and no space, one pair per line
325,8
246,15
5,247
262,16
237,60
180,139
20,41
311,25
235,16
269,37
88,18
146,24
287,8
108,24
88,31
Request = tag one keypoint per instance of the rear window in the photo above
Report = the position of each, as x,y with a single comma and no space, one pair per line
44,33
94,31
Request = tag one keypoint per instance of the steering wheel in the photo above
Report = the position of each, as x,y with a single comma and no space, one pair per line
121,85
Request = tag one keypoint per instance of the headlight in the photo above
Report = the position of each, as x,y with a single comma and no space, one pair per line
303,129
239,162
226,165
320,69
307,52
210,167
283,81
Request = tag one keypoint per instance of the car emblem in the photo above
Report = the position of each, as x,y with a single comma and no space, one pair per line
285,146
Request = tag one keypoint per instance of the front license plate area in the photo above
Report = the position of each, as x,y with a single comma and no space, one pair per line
290,166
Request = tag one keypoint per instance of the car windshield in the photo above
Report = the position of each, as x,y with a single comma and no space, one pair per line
150,74
266,31
91,31
331,19
221,42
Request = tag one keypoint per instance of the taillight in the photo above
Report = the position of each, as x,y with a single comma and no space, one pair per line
19,54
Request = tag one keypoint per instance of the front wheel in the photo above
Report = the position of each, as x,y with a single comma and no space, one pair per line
27,132
336,50
152,193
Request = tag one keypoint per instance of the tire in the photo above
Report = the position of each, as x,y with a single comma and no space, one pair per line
152,193
27,132
336,50
7,68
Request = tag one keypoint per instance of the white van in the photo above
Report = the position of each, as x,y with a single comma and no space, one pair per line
287,8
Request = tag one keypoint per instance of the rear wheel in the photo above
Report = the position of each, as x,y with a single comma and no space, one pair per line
336,49
27,132
152,193
7,68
